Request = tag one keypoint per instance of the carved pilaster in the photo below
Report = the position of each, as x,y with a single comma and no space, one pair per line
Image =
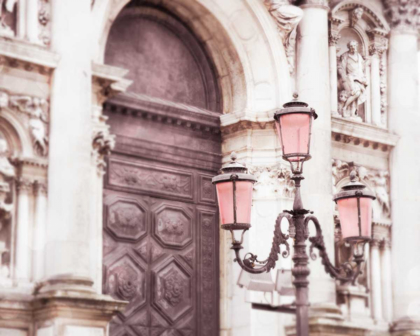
403,15
287,18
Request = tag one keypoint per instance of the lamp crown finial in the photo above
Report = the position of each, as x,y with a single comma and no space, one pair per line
295,95
233,156
353,176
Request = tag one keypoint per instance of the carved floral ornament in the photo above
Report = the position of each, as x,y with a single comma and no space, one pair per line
403,15
273,180
377,180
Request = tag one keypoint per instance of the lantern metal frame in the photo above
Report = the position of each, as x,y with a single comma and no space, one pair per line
296,107
299,219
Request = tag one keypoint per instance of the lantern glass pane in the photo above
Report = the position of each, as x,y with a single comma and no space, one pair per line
243,201
295,129
349,220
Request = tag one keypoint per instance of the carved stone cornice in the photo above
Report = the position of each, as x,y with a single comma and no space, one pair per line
247,125
108,81
27,57
403,15
362,134
163,111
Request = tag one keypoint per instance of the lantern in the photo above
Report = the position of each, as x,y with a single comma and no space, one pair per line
294,123
234,194
355,210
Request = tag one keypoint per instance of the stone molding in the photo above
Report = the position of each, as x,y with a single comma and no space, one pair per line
316,3
403,15
159,110
248,125
359,133
27,57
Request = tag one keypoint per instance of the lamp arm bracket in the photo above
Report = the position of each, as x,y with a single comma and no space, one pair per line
248,263
346,272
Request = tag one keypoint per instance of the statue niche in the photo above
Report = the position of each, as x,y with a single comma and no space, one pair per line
352,82
8,17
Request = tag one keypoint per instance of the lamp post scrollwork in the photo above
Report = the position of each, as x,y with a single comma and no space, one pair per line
234,191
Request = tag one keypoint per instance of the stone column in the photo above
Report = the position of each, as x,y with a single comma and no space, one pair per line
333,39
23,263
32,21
21,19
67,246
404,118
386,277
313,87
375,265
39,232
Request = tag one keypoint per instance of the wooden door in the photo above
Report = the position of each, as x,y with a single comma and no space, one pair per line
160,216
161,224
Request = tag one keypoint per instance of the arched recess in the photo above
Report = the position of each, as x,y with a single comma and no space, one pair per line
15,134
239,36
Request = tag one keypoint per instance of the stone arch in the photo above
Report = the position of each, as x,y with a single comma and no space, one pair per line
15,134
240,39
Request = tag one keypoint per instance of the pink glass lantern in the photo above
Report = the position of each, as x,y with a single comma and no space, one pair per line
294,123
355,210
234,194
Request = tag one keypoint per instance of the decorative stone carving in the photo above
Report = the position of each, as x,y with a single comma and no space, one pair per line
287,18
380,181
403,15
173,226
103,143
274,180
126,220
44,22
40,188
36,110
355,15
8,17
7,172
351,74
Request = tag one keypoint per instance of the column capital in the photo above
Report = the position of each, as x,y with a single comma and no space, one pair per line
23,185
385,244
40,188
403,15
375,243
333,38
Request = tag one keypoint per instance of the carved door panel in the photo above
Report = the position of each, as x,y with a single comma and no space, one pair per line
160,248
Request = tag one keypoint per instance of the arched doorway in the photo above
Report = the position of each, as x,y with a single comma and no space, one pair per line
160,217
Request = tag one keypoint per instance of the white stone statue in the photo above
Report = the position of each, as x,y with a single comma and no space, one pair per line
6,6
351,72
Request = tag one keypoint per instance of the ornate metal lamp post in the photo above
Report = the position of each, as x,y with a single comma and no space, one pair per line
234,193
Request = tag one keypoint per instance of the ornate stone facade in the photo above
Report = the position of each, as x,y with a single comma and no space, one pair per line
107,211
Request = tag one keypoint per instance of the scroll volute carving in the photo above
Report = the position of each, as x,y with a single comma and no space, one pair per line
7,175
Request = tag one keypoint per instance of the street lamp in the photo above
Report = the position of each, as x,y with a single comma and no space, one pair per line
234,193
